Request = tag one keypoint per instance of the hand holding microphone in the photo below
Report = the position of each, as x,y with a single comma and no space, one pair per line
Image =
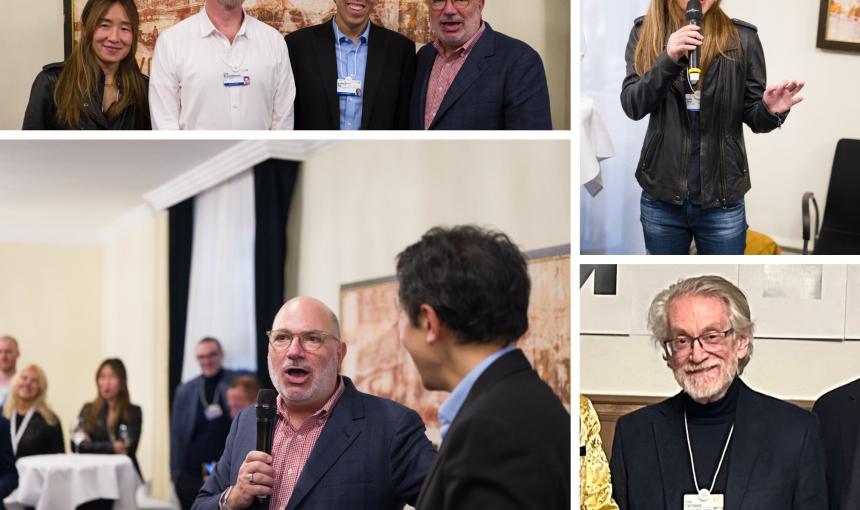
256,478
685,40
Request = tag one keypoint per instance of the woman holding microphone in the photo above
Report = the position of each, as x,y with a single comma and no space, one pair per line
693,165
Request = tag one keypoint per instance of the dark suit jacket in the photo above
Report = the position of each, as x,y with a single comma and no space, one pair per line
372,454
776,459
839,414
508,447
8,471
387,83
502,85
100,442
184,415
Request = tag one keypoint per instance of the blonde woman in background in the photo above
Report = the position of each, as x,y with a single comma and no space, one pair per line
595,484
35,428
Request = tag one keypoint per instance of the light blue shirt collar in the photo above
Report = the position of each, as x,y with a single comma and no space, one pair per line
340,36
451,407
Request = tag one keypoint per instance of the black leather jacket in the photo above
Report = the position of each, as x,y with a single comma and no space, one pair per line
731,95
41,111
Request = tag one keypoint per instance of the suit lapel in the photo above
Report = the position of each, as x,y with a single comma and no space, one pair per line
850,436
475,64
422,77
672,455
377,54
343,427
748,434
326,67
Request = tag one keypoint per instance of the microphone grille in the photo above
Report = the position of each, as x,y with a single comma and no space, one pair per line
266,403
694,10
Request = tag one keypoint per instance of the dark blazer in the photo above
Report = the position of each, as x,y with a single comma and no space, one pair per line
184,415
776,459
388,78
41,112
502,85
508,447
8,471
100,440
40,438
839,414
372,454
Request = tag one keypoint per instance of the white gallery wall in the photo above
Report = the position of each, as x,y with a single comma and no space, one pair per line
807,338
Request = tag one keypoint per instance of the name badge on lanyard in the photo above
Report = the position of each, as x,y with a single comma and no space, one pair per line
703,502
348,86
694,101
237,78
213,411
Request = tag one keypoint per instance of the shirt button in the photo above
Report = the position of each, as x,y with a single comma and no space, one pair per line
300,437
290,471
235,107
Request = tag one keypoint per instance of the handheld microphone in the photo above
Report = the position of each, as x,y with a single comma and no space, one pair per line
265,422
694,17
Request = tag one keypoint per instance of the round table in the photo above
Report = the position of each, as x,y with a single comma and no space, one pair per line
64,481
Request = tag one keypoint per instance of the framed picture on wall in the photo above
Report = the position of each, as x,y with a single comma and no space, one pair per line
409,17
839,25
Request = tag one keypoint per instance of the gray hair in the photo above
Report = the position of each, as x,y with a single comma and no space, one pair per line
714,286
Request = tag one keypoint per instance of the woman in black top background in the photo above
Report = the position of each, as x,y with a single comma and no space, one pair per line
35,428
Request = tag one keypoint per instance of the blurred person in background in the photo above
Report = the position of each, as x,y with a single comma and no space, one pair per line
242,392
8,360
35,428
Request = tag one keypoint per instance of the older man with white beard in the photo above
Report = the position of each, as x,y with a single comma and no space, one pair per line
717,444
333,446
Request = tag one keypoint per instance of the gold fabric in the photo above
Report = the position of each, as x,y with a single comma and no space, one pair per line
595,485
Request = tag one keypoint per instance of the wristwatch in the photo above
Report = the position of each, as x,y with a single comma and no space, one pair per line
222,501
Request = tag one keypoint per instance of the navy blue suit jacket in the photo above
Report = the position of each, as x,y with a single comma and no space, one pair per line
502,85
8,471
372,454
184,415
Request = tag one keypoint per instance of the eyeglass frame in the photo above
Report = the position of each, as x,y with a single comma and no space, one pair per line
723,335
435,7
301,338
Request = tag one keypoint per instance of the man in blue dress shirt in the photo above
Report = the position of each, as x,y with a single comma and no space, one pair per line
464,298
351,73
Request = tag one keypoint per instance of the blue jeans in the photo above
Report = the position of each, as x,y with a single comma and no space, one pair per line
669,228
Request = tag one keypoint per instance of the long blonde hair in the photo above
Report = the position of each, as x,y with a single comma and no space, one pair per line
13,401
79,78
665,17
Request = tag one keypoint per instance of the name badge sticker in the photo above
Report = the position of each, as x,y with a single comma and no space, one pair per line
694,101
237,78
348,86
213,411
700,502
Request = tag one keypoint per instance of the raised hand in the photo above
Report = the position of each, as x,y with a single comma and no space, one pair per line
781,97
685,40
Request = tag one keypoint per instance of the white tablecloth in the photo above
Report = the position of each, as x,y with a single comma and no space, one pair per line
64,481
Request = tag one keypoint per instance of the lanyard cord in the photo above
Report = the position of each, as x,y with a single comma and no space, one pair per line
215,399
345,63
693,463
18,434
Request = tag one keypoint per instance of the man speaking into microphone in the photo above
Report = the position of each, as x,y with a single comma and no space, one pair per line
700,75
332,446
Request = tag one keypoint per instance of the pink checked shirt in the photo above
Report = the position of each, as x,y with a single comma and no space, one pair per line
445,69
291,448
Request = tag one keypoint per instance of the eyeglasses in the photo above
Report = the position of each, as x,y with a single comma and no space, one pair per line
282,339
682,344
438,5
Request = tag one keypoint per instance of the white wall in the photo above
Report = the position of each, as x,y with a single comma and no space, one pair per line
35,31
358,204
31,35
797,158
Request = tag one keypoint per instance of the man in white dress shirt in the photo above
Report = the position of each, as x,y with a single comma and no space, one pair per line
221,69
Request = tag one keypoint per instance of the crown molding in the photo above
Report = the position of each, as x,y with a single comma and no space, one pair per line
227,164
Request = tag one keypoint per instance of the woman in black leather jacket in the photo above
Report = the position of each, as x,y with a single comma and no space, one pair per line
111,423
693,165
100,85
36,429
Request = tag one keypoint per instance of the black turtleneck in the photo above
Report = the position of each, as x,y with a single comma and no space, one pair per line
709,426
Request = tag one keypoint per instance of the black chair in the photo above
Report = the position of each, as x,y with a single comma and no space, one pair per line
840,226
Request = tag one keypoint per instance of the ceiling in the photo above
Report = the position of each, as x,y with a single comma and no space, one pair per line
70,191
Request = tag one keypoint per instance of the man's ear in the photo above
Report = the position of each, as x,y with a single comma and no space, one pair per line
341,354
429,323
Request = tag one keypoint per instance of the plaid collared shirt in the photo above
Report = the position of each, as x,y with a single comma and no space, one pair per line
445,69
291,448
